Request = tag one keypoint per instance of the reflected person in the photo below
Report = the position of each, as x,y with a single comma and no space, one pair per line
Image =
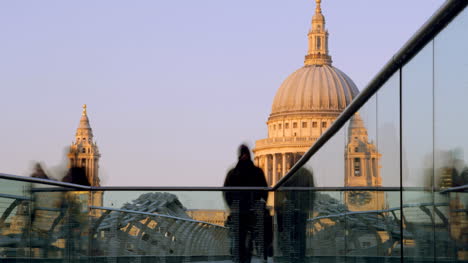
293,207
245,206
45,213
76,214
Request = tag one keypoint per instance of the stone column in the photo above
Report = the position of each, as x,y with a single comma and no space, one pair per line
267,168
273,175
283,165
287,163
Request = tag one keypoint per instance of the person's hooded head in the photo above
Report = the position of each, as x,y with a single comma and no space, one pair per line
244,153
39,172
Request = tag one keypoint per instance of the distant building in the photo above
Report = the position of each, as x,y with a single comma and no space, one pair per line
305,105
213,216
84,153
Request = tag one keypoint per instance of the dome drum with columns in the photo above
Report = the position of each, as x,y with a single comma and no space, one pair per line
305,105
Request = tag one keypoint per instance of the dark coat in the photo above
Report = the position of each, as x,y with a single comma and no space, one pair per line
76,175
245,174
302,200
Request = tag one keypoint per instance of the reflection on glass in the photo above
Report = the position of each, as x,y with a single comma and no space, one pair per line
417,138
15,214
388,133
450,137
336,231
361,156
417,120
327,165
159,224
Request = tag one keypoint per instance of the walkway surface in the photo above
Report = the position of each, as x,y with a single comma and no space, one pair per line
254,260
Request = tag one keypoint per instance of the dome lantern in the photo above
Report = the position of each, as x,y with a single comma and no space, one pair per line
318,40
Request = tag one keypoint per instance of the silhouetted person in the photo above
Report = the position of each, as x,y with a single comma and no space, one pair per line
293,208
44,216
39,172
76,175
245,206
76,215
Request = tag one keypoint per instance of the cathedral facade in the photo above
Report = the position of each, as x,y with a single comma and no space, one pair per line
305,105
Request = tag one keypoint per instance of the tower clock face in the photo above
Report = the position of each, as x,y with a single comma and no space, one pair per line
359,198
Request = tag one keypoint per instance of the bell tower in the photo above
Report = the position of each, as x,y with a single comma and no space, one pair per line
362,168
84,152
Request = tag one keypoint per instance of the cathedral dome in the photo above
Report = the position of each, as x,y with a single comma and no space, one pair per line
314,89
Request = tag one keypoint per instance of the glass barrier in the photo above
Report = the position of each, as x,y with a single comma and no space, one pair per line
417,148
411,134
304,224
450,125
315,225
40,222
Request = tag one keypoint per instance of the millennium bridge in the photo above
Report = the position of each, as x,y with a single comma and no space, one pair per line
415,112
48,221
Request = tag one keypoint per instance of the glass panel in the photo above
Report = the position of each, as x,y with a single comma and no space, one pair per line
417,142
360,152
372,227
42,221
183,226
293,211
326,166
15,211
333,232
327,226
388,117
55,223
450,136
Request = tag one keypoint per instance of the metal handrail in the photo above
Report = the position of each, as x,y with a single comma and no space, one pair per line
377,211
461,188
424,35
70,186
42,181
64,187
16,197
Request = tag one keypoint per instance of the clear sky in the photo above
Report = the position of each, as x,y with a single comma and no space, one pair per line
172,87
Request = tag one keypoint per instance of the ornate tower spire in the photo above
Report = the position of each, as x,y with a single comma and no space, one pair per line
318,40
84,151
84,110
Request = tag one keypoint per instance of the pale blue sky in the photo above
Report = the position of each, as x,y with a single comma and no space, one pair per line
172,87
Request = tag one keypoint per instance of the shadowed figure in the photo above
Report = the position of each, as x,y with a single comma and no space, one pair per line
76,175
39,172
293,208
76,215
246,207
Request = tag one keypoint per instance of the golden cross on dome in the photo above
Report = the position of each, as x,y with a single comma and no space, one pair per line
84,110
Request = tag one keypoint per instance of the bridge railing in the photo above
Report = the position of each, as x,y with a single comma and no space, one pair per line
53,222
